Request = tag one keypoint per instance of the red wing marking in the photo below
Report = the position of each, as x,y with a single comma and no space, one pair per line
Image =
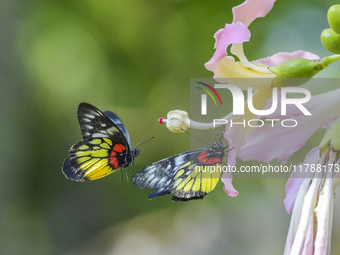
114,160
119,148
202,157
207,161
213,161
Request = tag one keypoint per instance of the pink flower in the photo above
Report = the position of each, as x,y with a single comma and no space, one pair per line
226,68
310,198
235,34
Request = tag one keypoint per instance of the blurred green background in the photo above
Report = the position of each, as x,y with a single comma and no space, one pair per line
135,58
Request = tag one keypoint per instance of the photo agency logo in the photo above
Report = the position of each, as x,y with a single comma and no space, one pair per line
280,100
204,97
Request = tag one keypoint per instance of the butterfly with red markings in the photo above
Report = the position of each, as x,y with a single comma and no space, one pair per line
106,146
188,175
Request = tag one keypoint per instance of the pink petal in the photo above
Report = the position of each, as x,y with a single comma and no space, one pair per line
232,154
302,229
304,239
227,176
292,188
281,57
293,112
249,10
300,233
237,135
324,214
231,33
278,142
228,186
297,177
218,35
268,143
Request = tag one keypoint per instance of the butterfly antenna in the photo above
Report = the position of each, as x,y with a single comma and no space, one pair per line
143,142
195,137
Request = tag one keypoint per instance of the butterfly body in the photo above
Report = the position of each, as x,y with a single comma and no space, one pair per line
106,146
186,176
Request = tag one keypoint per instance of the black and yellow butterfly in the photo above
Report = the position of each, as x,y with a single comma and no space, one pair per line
106,146
186,176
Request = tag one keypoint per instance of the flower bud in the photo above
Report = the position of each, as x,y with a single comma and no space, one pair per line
175,121
296,71
331,40
333,17
331,138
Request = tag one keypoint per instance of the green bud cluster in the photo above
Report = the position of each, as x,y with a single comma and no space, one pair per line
297,71
330,37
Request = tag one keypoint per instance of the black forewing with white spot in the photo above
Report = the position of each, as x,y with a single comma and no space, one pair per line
116,120
95,124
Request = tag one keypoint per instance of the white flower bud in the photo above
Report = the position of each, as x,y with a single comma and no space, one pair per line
175,121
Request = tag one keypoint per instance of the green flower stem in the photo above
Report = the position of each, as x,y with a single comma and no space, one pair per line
330,59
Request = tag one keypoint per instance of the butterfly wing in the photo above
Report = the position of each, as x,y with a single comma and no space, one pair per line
94,123
116,120
69,172
184,175
159,175
104,147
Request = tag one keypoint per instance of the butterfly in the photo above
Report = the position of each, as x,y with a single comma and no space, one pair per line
106,146
188,175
